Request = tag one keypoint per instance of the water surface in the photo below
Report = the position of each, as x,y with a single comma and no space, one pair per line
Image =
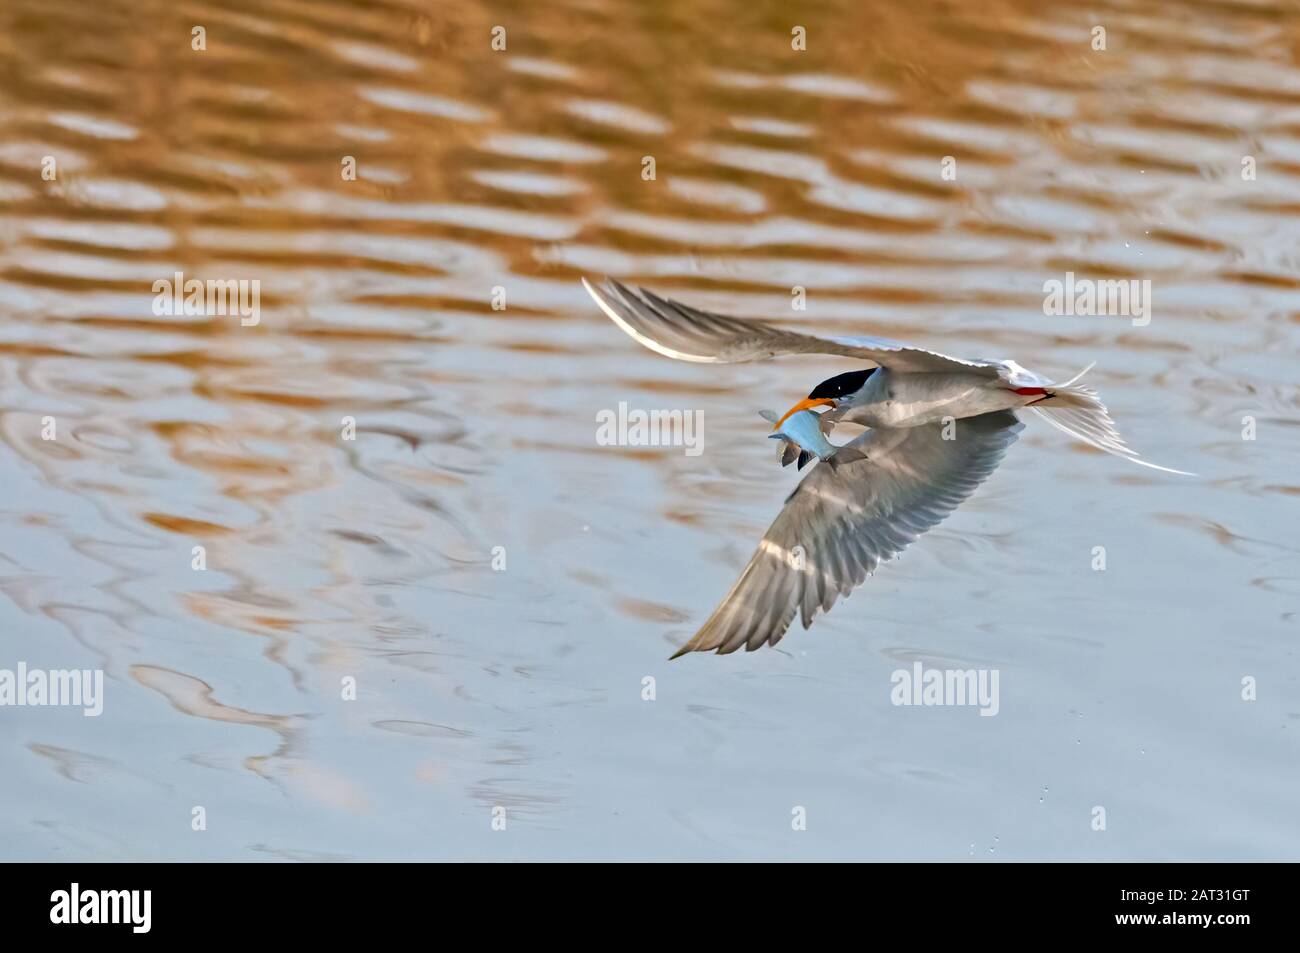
522,170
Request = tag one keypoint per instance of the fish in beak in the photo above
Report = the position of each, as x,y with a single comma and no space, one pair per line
802,429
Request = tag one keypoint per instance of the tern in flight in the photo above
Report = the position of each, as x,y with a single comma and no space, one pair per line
937,427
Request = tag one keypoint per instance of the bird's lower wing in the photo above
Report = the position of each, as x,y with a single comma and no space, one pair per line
841,522
679,331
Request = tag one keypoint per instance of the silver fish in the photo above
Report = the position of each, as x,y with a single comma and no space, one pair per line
803,438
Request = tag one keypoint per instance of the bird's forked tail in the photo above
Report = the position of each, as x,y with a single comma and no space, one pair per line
1077,410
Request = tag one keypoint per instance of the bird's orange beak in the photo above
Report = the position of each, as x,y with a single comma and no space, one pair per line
805,404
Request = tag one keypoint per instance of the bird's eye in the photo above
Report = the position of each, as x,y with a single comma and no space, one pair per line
842,384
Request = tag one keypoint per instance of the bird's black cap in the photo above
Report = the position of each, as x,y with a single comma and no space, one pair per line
841,385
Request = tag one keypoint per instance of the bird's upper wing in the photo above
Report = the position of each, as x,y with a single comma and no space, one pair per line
840,522
689,334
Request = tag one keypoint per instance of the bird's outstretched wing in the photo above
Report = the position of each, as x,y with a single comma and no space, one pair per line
841,522
688,334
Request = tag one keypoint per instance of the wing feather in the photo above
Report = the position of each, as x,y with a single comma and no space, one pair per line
841,522
679,331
